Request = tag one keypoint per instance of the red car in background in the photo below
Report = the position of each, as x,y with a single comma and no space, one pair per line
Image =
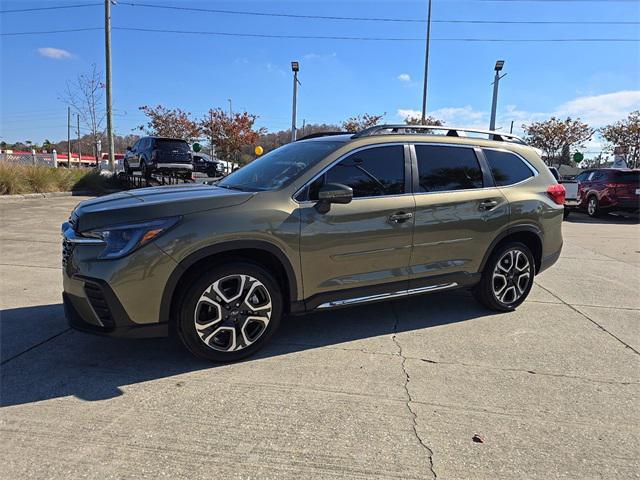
607,189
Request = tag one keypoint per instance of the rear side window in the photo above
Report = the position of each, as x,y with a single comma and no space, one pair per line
507,168
372,172
442,168
631,177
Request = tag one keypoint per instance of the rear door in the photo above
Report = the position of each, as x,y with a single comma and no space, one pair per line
361,248
459,211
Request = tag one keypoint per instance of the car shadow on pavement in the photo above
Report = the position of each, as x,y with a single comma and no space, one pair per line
63,362
605,218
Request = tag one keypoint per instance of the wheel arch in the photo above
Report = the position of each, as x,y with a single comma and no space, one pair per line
262,253
530,235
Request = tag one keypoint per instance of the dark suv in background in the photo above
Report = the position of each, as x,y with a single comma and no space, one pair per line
608,189
151,154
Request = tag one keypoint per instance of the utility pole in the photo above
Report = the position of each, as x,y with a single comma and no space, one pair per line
211,147
304,121
295,67
230,110
107,49
79,147
68,137
511,129
426,68
494,102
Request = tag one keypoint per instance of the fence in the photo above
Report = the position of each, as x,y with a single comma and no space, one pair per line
46,159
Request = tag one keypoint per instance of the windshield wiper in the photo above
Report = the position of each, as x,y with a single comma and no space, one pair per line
231,187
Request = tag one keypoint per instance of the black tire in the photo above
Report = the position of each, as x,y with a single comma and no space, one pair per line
127,169
245,339
566,213
485,291
144,169
593,206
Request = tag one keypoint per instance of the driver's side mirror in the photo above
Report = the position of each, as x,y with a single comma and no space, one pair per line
333,193
128,148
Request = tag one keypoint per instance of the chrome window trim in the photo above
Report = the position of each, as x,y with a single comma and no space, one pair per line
342,157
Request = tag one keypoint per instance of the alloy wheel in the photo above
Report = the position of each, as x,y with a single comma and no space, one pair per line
591,206
233,312
511,276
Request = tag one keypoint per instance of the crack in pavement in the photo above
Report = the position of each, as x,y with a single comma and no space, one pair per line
32,347
590,319
532,372
414,415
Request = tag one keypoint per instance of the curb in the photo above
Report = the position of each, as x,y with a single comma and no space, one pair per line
28,196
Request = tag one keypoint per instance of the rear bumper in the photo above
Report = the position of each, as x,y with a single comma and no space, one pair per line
174,166
549,260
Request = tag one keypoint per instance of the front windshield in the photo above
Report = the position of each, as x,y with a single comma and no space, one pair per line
279,167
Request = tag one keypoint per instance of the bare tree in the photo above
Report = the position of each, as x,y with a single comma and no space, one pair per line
85,95
360,122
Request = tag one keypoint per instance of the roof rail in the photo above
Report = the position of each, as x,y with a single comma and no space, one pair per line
321,134
403,129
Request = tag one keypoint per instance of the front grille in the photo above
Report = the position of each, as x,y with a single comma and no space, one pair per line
98,303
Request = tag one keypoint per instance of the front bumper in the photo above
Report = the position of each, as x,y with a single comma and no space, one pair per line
120,297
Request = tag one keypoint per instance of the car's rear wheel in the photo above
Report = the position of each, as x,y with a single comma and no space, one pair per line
507,277
127,168
593,206
144,169
230,312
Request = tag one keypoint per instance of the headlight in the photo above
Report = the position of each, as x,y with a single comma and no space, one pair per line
121,240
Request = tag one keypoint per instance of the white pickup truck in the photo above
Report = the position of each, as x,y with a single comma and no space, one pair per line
571,191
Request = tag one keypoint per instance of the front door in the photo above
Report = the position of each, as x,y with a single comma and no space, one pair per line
459,212
362,248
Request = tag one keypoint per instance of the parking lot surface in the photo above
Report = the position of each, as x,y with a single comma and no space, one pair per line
391,390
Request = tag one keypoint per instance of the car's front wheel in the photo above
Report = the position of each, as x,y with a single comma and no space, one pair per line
593,207
230,312
507,277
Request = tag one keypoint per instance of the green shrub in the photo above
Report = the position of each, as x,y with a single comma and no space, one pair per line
16,179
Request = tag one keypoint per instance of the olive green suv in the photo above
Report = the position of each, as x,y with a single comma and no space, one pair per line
328,221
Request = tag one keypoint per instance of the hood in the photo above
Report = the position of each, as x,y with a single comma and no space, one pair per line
151,203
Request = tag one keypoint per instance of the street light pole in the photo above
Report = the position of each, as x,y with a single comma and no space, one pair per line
494,102
426,68
107,49
295,67
230,110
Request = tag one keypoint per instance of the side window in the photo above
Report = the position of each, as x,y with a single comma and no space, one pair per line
506,167
372,172
582,177
442,168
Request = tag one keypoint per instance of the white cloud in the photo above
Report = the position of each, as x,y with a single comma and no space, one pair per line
600,110
57,53
319,56
595,110
404,77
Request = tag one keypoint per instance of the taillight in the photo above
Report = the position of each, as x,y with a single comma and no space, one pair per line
557,193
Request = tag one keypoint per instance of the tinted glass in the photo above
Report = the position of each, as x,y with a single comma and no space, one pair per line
370,173
167,144
447,168
279,167
507,168
632,177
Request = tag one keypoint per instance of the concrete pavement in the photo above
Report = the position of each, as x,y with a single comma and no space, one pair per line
392,390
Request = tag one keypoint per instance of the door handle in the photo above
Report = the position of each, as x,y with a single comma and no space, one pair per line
400,217
488,204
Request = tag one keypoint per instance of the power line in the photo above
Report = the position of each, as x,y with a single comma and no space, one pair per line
57,7
46,32
373,19
334,37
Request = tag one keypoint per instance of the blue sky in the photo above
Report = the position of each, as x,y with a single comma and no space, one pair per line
600,82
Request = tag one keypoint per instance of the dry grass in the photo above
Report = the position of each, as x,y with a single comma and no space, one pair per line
16,179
